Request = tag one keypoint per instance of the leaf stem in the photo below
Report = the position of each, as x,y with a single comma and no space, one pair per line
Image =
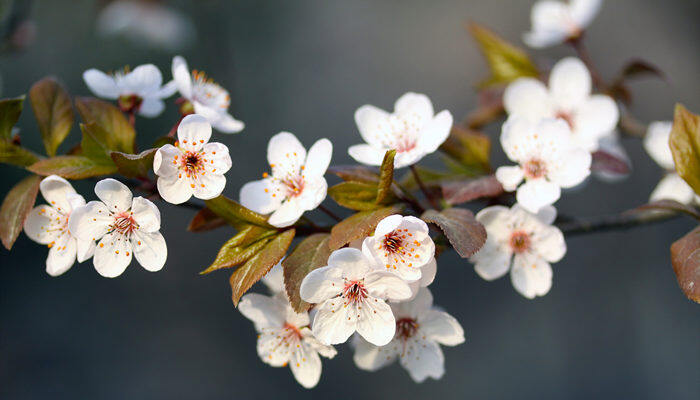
423,188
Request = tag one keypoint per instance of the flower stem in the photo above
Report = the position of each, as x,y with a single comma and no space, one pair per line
582,52
423,188
329,213
573,227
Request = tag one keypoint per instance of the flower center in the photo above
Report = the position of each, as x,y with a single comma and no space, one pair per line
295,185
292,332
124,223
129,103
399,249
405,144
354,292
535,168
566,116
392,242
520,241
191,162
406,328
208,92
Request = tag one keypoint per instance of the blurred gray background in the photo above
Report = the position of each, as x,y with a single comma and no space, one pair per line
615,324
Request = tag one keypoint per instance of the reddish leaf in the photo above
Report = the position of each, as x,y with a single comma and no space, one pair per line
134,165
72,167
462,191
235,214
205,220
15,208
240,248
685,257
386,179
53,111
604,161
310,254
463,231
355,173
685,145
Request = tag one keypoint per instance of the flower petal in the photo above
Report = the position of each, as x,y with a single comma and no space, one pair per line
423,359
594,119
321,284
287,214
305,365
272,348
274,279
143,79
368,154
351,261
85,249
531,276
193,132
334,323
150,250
222,121
209,186
546,215
573,169
569,83
116,195
285,154
373,124
491,262
164,162
175,189
527,97
260,196
414,106
671,187
101,84
583,11
318,158
429,271
61,255
43,224
386,225
146,214
510,177
369,357
386,285
537,193
182,77
91,222
435,132
112,255
548,24
315,190
264,311
151,107
218,159
548,242
656,143
442,328
56,191
375,321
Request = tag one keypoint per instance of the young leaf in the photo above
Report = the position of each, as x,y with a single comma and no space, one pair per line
240,248
462,191
108,117
255,268
604,161
463,231
53,112
310,254
134,165
10,153
15,208
359,226
506,62
471,148
386,179
355,173
10,110
670,205
685,146
355,195
235,214
72,167
685,258
205,220
95,142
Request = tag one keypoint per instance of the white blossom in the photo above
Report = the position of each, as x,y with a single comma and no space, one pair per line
274,279
123,226
523,243
548,161
568,97
140,90
554,22
296,183
350,296
413,130
420,330
671,186
193,166
205,96
48,224
284,337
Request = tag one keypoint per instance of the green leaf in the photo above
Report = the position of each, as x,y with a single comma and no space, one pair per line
255,268
685,146
72,167
95,142
506,62
311,253
53,112
15,208
120,133
240,248
355,173
10,110
428,176
10,153
463,231
235,214
355,195
359,225
470,148
465,190
685,258
386,179
205,220
134,165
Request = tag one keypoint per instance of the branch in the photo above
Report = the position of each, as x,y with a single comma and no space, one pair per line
571,227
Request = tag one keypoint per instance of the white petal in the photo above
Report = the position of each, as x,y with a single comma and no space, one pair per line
371,358
151,107
373,124
224,122
531,276
386,285
527,97
583,11
429,271
656,143
442,328
435,132
322,349
423,359
258,196
287,214
264,311
164,163
313,194
306,366
334,323
218,159
318,158
518,138
496,220
182,77
572,169
143,79
116,195
546,215
367,154
146,214
209,186
537,193
415,104
85,249
150,250
548,242
101,84
352,262
274,279
414,308
510,177
407,158
56,190
569,83
112,255
671,187
594,119
491,262
321,284
375,321
61,255
193,132
43,224
90,222
548,20
167,90
385,226
544,38
272,347
285,154
175,189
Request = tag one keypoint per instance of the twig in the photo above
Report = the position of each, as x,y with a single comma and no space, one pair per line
423,188
329,213
582,52
612,222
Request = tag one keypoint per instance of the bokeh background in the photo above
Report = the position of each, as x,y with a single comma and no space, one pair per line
615,324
